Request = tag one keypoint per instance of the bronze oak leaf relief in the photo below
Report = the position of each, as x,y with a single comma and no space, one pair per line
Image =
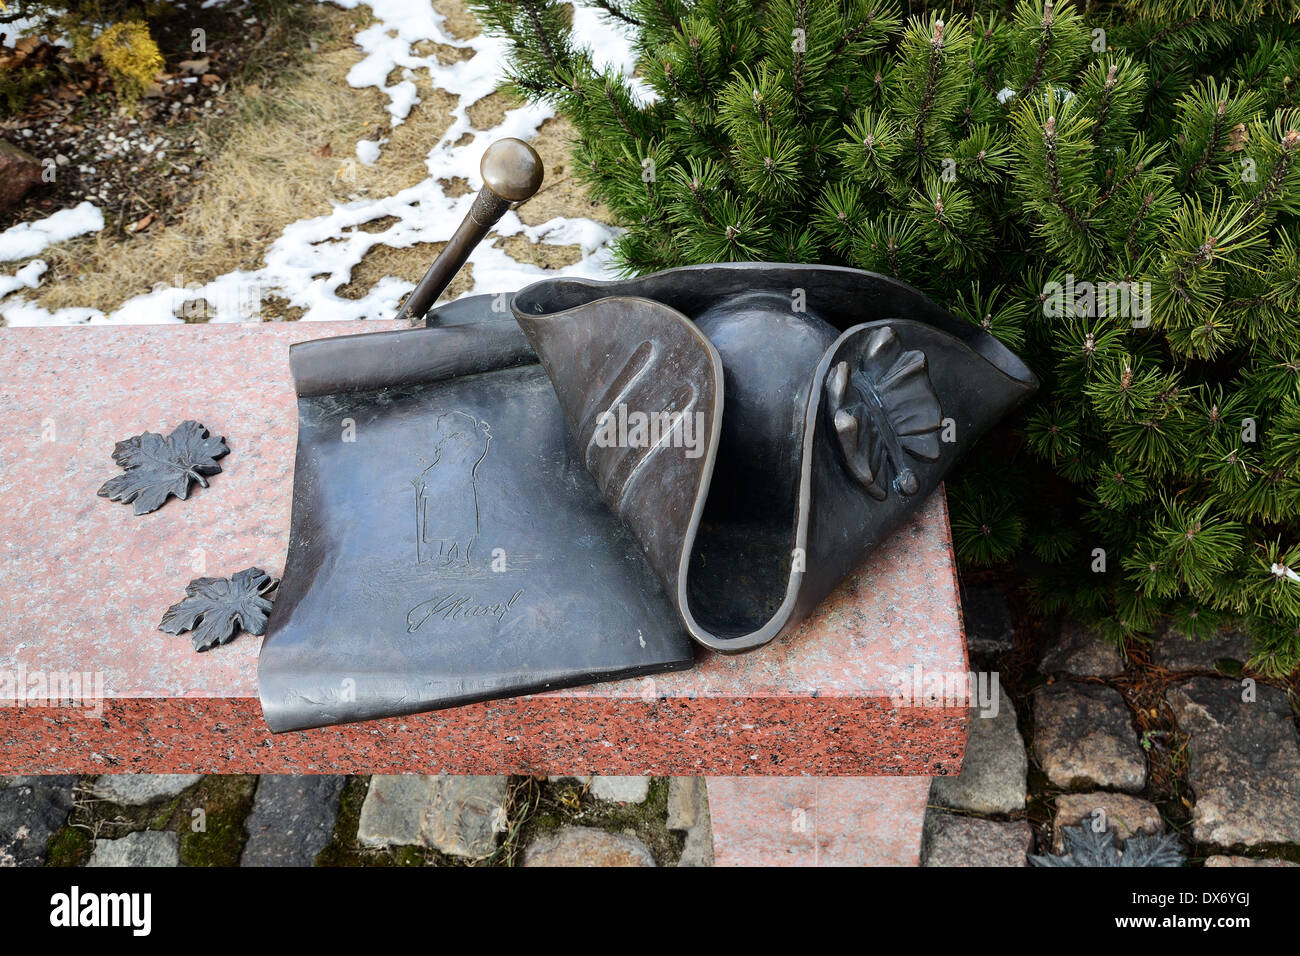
156,467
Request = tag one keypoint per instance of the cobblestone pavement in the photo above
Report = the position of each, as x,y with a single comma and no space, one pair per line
1169,735
181,820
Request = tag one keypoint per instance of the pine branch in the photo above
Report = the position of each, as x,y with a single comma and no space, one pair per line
1241,305
699,203
532,11
666,16
700,74
1103,111
1053,170
1178,27
986,78
852,35
797,77
1130,244
617,12
1044,45
1204,254
1212,146
931,87
1116,184
617,109
1276,176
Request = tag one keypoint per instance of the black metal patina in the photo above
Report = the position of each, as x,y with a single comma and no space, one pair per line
480,509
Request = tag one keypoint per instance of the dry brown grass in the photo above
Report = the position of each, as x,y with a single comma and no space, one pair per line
283,155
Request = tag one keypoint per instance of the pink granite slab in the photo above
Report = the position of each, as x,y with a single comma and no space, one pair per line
840,821
84,582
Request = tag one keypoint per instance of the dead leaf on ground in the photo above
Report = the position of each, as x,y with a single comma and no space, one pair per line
141,224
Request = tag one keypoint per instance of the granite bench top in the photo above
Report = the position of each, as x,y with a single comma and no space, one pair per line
84,583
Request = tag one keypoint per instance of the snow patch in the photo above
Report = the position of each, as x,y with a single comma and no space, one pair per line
313,258
29,276
29,239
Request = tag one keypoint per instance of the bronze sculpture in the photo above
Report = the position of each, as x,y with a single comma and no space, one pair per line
584,486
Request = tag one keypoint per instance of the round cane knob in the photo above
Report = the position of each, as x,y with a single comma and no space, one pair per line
511,169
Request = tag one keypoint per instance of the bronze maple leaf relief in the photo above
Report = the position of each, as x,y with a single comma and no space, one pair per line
158,467
213,606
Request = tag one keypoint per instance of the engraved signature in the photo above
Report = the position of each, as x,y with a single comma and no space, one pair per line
457,607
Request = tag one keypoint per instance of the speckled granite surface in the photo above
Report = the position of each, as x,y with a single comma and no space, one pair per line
84,582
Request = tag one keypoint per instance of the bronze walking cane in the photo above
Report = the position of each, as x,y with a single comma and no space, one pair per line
512,171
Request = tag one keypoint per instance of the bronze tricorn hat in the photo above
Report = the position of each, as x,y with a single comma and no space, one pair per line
583,485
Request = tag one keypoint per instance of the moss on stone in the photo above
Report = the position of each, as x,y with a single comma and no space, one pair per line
226,801
163,817
69,846
406,856
535,808
105,820
343,849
